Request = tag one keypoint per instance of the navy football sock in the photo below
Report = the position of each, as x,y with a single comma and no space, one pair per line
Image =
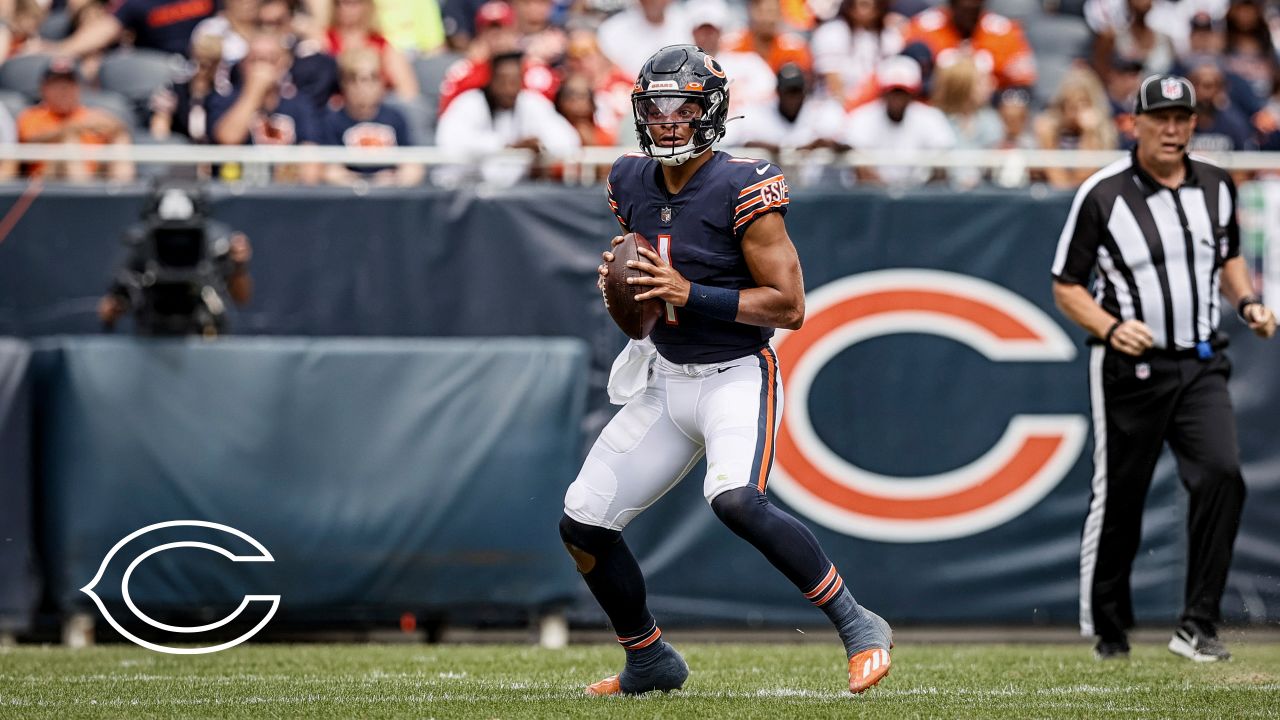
783,540
792,548
613,576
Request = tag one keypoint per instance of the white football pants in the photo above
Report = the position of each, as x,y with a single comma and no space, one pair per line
728,411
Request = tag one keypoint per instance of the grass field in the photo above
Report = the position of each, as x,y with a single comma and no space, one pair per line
986,681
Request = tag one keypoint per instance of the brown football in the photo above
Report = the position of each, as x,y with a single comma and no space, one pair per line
635,318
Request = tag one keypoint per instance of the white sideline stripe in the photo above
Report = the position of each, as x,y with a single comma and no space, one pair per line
1097,507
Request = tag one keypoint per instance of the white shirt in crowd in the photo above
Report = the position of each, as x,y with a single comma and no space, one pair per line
752,84
922,128
628,39
1168,17
854,55
469,126
819,118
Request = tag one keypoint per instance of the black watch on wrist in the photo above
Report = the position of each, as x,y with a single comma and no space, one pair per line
1246,302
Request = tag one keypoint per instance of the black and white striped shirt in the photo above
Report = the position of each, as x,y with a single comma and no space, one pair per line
1155,253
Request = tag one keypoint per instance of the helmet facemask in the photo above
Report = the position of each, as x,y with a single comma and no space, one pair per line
669,108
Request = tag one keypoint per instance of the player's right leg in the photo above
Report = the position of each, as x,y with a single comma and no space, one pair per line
639,456
739,413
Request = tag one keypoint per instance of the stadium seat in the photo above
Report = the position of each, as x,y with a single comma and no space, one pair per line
23,73
136,74
420,116
430,71
114,103
1058,40
1019,10
14,102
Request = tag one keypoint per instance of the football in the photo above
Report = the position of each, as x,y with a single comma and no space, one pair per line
635,318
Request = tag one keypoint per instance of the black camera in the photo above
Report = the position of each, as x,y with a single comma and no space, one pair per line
176,276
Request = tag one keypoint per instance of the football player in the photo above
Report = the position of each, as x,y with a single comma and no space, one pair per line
727,274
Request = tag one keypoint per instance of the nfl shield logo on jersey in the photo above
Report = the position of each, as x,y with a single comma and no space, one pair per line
1171,88
1143,371
665,215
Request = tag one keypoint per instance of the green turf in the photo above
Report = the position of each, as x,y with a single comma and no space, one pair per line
728,681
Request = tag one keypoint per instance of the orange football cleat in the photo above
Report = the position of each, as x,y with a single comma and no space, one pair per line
607,686
868,668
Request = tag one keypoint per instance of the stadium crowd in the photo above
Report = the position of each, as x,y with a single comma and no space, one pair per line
555,75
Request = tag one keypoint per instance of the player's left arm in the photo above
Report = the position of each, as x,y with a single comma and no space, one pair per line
777,301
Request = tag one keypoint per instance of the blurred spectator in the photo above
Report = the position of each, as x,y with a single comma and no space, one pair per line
19,22
1267,120
897,121
1014,108
1220,127
963,93
1171,18
61,118
1122,94
1133,40
848,48
496,34
365,121
1078,118
232,27
631,36
751,80
502,115
1249,49
995,42
611,86
8,136
312,74
798,120
1205,36
352,26
459,18
411,26
180,107
540,40
264,109
575,101
156,24
764,35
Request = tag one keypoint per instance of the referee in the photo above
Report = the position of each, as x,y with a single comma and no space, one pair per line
1157,230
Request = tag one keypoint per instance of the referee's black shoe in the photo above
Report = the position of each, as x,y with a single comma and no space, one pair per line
1198,642
1111,649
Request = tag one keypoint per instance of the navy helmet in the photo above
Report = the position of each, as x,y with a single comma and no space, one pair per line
673,76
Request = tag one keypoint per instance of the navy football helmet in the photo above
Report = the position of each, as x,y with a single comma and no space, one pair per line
673,76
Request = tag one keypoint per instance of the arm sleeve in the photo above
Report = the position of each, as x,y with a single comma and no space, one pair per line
762,193
613,199
1078,244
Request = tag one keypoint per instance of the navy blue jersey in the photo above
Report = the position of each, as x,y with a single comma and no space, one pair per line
387,129
699,231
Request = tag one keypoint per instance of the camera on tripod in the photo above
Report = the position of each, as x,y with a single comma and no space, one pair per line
182,266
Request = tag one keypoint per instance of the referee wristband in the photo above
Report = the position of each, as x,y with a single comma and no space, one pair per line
1110,331
717,302
1246,302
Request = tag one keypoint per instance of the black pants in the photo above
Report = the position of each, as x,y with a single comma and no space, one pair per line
1138,404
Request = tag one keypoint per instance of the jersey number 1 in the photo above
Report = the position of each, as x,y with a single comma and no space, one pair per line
664,252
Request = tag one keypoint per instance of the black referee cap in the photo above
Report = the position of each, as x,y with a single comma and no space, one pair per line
1165,91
